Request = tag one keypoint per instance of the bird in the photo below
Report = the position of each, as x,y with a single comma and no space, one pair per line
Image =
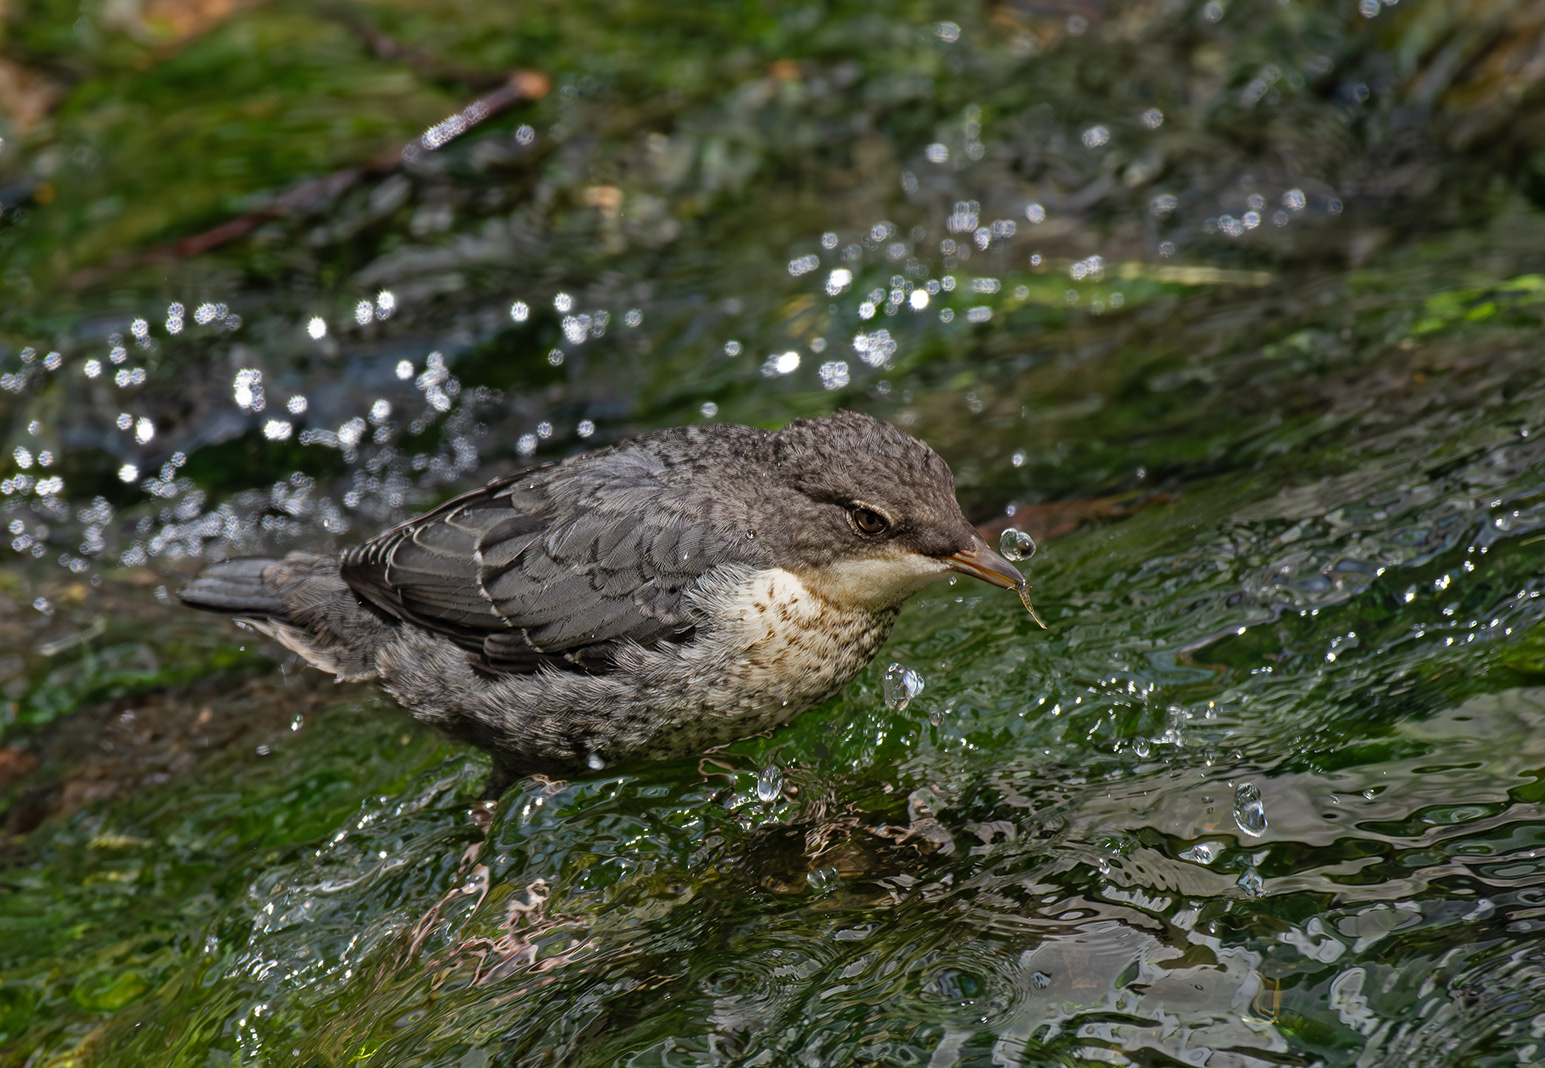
643,602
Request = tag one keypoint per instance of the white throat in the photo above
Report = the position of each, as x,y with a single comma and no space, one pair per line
873,582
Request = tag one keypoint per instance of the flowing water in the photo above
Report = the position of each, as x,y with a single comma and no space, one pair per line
1235,311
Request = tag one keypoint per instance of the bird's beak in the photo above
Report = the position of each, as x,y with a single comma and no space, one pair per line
981,562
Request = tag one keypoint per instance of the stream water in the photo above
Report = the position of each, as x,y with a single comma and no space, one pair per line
1236,309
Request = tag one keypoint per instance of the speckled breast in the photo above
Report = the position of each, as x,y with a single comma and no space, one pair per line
776,649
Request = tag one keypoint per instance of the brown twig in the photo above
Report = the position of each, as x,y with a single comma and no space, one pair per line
311,194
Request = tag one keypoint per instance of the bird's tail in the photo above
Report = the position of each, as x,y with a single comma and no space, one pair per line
241,587
302,601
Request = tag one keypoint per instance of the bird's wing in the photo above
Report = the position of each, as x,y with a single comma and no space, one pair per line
554,566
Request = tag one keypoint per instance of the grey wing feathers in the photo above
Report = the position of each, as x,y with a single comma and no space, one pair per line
239,587
542,568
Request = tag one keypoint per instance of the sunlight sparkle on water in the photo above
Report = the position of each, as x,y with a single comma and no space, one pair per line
875,349
834,374
247,389
316,327
782,363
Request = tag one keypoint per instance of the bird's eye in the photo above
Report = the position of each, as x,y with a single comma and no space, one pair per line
868,521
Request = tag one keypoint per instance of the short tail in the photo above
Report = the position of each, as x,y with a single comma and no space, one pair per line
237,587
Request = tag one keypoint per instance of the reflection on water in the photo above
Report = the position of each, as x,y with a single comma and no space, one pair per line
1184,295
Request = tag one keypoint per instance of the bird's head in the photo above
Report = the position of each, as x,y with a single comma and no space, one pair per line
871,515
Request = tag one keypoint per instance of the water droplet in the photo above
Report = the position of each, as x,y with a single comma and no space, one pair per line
1249,812
1141,747
1202,853
595,762
1252,883
1015,544
823,879
900,685
769,784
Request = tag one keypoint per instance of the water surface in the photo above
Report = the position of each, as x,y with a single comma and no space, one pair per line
1235,308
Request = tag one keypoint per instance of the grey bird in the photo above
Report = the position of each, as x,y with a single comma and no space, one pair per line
647,601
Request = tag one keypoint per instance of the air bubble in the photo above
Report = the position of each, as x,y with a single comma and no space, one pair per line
900,686
1249,811
769,784
1014,543
1202,853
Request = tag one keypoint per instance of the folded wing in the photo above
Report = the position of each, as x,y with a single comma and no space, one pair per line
555,566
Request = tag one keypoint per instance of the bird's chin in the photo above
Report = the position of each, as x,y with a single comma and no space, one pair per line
873,582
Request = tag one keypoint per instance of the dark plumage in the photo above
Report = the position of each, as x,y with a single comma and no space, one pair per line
645,601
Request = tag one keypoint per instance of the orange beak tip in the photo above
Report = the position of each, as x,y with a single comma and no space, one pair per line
982,563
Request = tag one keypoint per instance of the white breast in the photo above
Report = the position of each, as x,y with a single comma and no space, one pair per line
777,645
